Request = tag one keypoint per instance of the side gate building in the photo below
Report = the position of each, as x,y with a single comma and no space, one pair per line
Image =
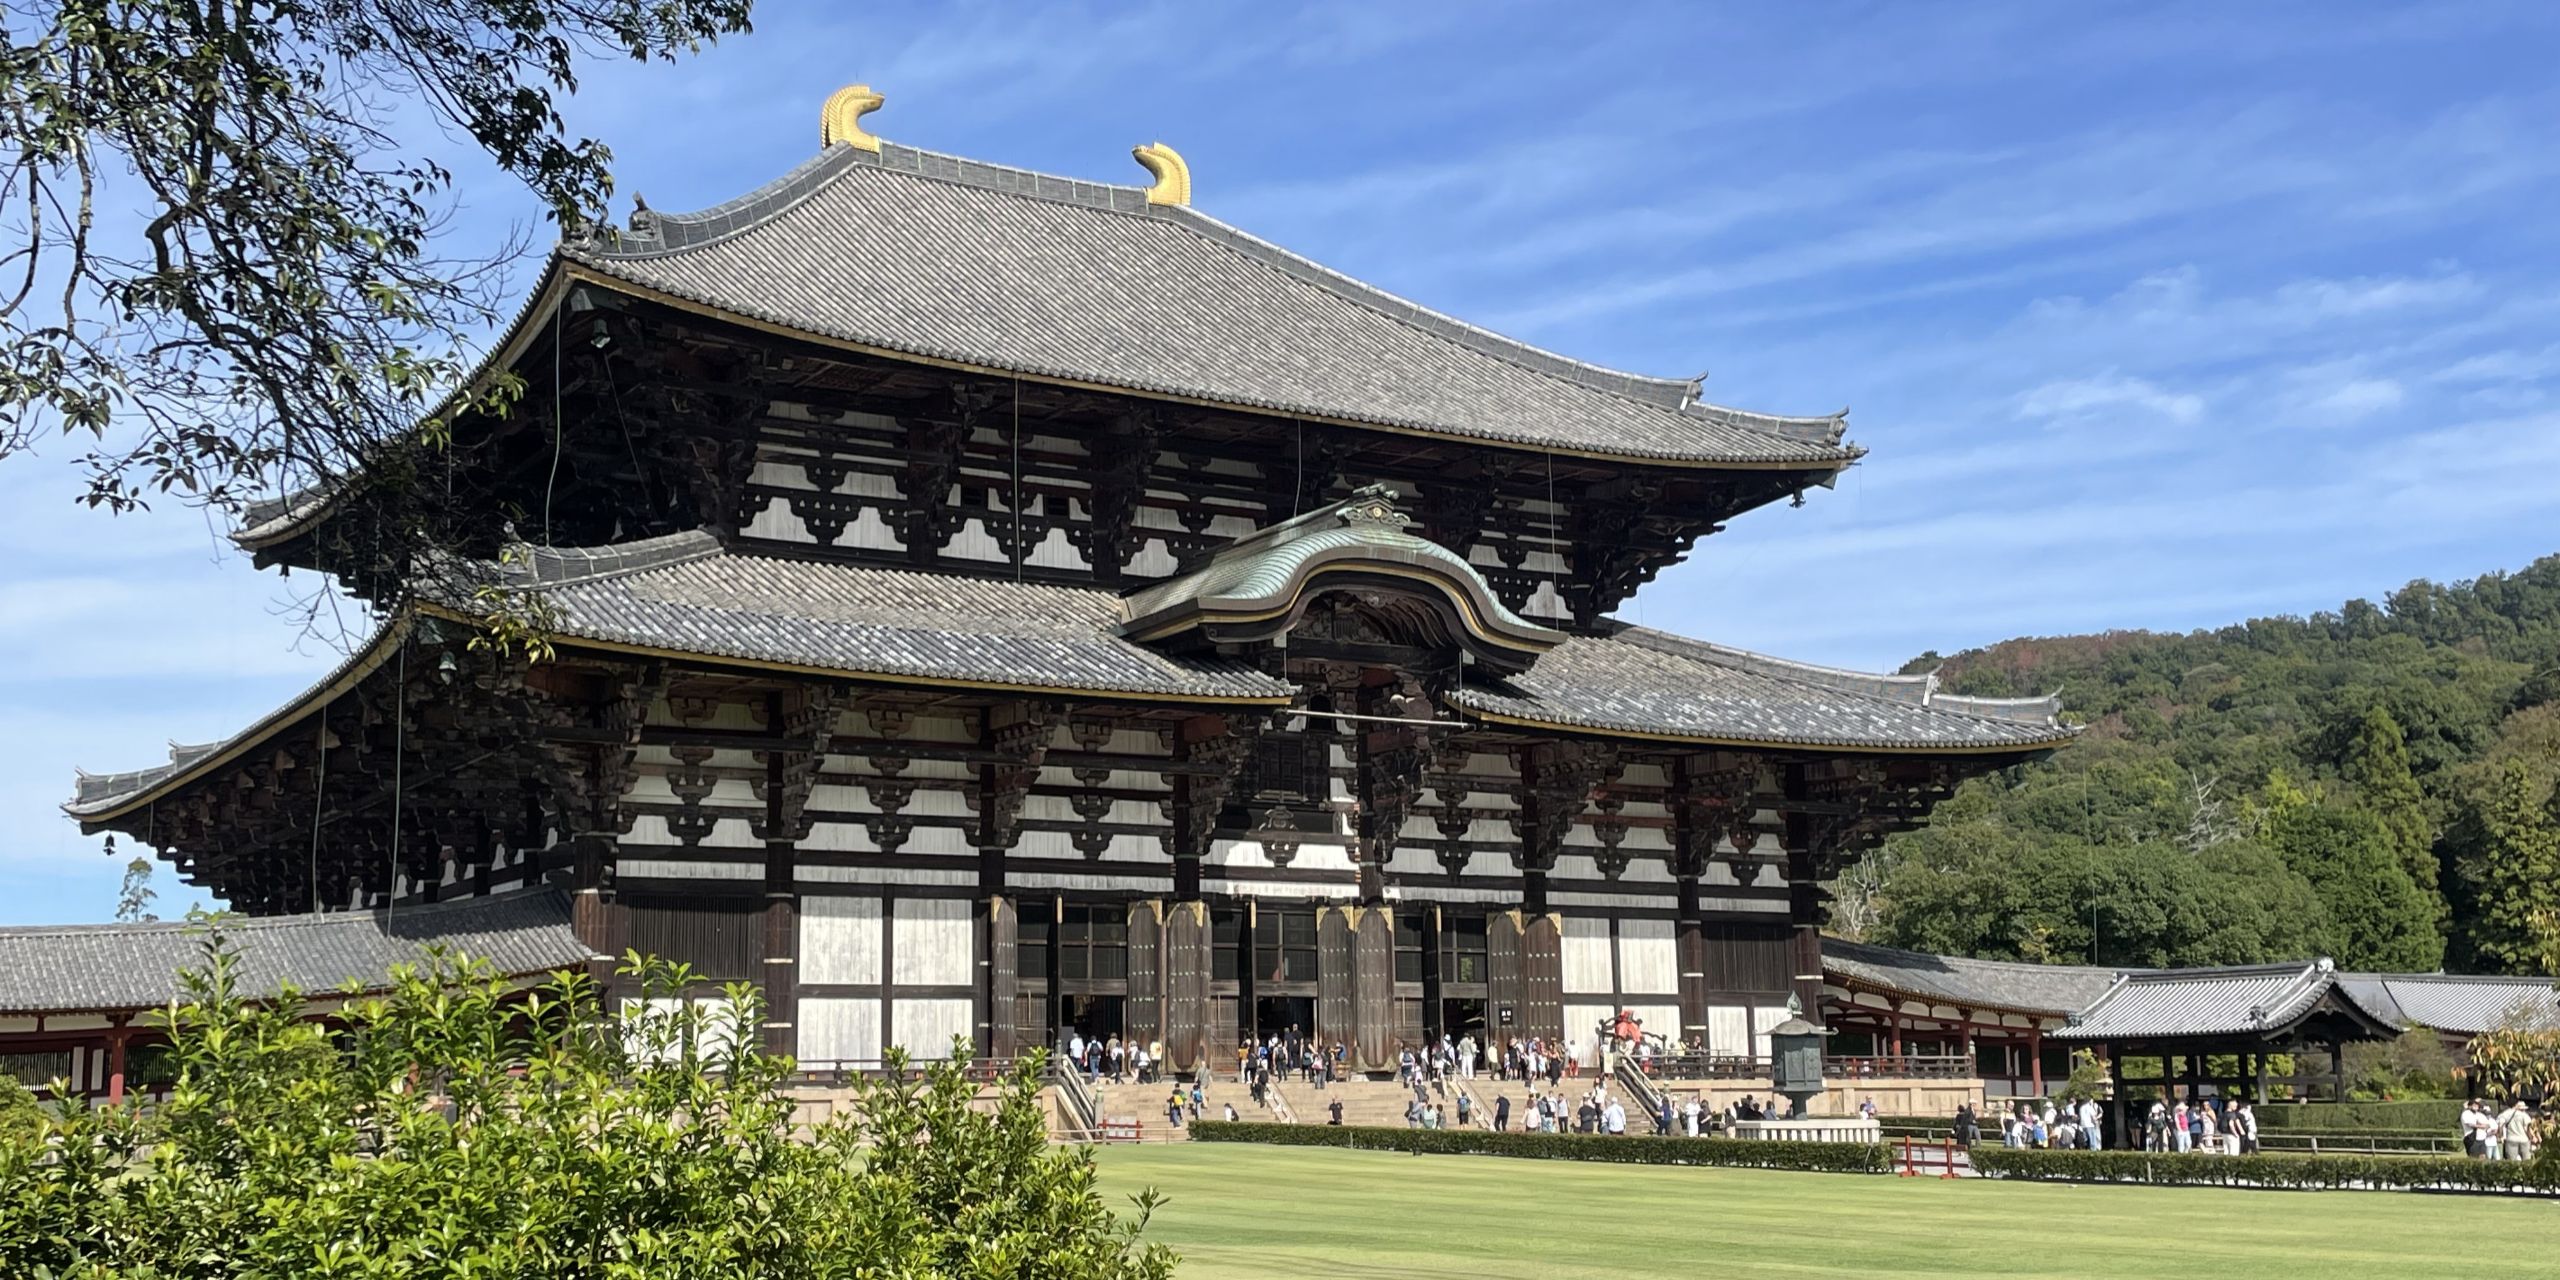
977,602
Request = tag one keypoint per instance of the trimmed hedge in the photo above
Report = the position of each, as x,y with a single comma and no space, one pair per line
1814,1157
2298,1172
2433,1116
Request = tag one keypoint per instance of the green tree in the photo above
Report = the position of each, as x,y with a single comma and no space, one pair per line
224,227
2378,917
458,1127
133,897
2511,865
2377,766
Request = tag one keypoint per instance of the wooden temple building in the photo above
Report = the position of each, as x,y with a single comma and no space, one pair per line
981,602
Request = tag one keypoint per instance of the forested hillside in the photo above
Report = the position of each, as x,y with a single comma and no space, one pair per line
2375,785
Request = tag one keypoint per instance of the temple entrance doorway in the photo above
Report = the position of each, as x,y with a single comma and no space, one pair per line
1098,1017
1462,1018
1274,1015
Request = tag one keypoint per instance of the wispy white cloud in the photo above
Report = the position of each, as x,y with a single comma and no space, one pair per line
2109,396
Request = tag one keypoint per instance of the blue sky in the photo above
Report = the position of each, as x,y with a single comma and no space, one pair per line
2152,316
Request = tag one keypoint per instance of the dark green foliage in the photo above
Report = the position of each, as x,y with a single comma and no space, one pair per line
2430,1115
458,1128
2378,918
2504,845
2240,792
2377,767
1811,1157
225,230
2287,1172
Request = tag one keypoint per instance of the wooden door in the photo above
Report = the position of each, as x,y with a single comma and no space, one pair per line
1337,1012
1002,931
1503,992
1374,987
1142,1015
1542,975
1186,984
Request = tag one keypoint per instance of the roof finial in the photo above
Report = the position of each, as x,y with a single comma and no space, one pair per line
841,119
1173,177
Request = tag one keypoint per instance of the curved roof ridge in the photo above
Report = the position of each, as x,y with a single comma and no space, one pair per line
92,800
538,567
233,923
664,233
655,234
2040,709
1890,688
2030,965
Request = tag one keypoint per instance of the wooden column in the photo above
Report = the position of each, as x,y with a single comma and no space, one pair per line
2120,1136
1017,735
595,918
1804,896
2035,1059
116,1038
1691,846
804,720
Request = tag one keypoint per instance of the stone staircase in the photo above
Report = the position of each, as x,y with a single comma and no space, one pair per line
1371,1103
1144,1103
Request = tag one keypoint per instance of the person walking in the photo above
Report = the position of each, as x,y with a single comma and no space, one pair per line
2515,1131
1502,1113
1334,1109
1173,1109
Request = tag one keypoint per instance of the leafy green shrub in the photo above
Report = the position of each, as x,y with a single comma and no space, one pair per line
20,1116
1815,1157
2326,1172
459,1128
2434,1115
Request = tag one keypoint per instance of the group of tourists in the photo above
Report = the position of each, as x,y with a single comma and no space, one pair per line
2491,1134
1536,1058
1180,1101
2069,1125
2214,1126
1115,1059
1285,1054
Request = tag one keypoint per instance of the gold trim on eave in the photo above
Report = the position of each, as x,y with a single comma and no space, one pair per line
840,120
1173,175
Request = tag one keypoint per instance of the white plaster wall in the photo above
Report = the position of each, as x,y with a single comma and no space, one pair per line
924,1028
835,1029
1729,1030
1586,957
681,869
1763,1018
1648,958
1658,1019
1582,1030
933,943
840,941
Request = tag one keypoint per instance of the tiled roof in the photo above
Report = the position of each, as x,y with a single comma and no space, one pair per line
1644,681
680,593
116,967
2242,1000
2454,1003
2059,990
930,255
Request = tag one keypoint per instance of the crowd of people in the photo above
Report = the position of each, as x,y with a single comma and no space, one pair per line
1114,1059
2492,1134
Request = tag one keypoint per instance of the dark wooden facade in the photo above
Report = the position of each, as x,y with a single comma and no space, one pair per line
904,852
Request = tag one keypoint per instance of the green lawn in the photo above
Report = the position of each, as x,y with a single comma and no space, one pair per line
1272,1213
